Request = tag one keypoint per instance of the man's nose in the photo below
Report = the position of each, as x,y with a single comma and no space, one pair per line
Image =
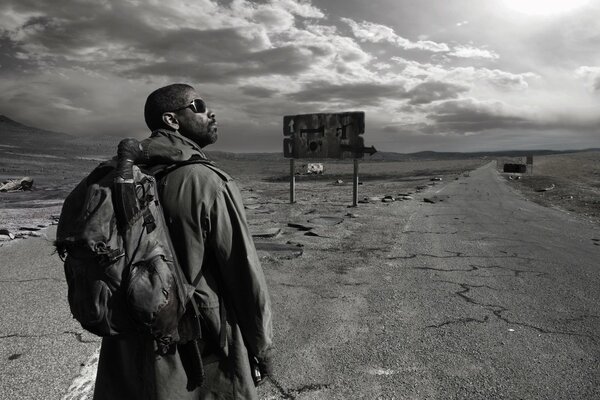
211,115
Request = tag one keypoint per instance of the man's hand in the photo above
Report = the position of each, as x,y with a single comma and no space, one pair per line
265,364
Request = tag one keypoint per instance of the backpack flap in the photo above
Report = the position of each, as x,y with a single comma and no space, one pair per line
94,258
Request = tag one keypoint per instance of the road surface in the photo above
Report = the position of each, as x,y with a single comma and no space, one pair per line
479,295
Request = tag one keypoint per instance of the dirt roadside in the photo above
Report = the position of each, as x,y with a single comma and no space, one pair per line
569,182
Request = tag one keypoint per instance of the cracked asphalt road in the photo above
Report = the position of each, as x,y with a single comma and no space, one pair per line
483,295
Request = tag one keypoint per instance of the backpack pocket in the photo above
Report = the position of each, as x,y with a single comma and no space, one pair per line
152,297
88,300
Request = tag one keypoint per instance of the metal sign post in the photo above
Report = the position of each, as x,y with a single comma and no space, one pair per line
292,181
355,184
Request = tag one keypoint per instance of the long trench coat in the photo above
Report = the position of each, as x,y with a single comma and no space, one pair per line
206,219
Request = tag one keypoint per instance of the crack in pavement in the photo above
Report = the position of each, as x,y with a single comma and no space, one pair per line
431,232
497,311
78,336
474,267
292,393
31,280
458,254
460,321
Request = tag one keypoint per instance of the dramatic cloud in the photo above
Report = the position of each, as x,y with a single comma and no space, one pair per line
418,69
473,52
591,75
376,33
351,94
428,92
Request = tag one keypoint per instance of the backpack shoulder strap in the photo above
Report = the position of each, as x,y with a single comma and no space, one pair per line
161,170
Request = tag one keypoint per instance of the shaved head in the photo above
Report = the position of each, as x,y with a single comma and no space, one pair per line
162,100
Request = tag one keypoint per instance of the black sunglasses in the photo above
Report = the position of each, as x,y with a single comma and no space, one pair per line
198,106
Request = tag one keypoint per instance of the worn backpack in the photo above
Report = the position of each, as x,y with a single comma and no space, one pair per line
120,266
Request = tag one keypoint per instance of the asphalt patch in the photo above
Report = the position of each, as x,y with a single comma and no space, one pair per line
280,249
327,221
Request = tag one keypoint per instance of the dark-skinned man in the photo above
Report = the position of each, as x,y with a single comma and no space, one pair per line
205,215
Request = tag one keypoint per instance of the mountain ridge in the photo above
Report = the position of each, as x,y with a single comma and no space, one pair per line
16,134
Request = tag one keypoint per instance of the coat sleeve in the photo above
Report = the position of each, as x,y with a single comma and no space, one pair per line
241,272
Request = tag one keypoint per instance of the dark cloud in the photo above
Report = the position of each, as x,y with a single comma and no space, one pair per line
469,115
287,60
430,91
257,91
355,94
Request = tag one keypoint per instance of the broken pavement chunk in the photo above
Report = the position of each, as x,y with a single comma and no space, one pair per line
315,233
300,226
435,199
546,189
269,232
326,220
13,185
279,249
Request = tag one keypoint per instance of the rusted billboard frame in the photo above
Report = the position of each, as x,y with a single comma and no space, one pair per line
347,140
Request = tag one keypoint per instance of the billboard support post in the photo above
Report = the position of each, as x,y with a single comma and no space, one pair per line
355,184
292,181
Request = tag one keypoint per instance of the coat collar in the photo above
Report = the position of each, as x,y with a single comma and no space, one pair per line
172,145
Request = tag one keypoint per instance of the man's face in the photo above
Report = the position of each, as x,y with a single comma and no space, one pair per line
199,127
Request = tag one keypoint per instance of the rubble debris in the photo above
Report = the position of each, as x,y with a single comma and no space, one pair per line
267,233
288,250
388,199
252,206
26,234
338,182
314,233
546,189
29,228
436,179
421,187
13,185
407,198
435,199
326,220
372,199
300,226
351,215
5,234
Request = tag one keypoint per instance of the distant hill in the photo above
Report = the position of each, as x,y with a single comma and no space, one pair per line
391,156
15,135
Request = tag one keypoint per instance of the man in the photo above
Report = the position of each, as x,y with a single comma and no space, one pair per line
206,219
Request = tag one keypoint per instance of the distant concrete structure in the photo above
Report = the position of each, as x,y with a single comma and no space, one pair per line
515,168
314,168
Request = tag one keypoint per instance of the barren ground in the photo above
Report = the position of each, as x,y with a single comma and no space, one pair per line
576,180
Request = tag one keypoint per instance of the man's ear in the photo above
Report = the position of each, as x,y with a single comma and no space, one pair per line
170,120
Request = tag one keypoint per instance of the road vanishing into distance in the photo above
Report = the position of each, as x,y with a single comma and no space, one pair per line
479,294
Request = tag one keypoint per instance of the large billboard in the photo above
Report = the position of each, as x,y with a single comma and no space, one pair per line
335,135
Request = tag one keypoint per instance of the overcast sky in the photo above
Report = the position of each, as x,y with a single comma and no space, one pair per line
445,75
